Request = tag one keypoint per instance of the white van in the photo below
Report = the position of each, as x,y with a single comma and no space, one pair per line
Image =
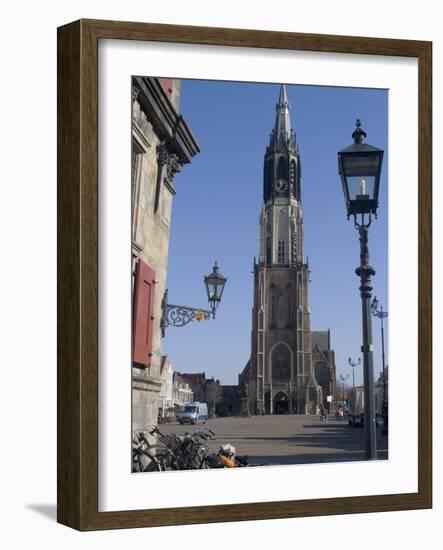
193,413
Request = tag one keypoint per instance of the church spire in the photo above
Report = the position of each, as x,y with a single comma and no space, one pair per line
282,164
283,116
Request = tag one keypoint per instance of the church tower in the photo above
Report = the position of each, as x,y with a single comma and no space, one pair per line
279,375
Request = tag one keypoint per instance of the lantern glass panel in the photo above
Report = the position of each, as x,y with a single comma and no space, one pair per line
361,188
220,288
211,286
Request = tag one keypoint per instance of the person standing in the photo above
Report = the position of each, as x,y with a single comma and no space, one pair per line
323,414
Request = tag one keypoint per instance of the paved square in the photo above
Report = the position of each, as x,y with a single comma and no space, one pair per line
288,439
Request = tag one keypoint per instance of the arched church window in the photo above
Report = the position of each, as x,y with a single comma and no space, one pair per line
269,177
281,363
292,178
282,172
275,301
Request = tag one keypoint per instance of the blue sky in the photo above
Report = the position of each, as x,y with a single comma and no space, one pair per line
216,210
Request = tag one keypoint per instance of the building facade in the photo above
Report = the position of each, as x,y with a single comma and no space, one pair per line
323,361
181,392
230,403
166,403
205,390
197,383
279,377
162,143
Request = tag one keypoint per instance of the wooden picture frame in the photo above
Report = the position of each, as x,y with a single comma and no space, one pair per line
78,274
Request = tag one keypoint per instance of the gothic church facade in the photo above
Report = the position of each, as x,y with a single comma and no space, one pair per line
279,377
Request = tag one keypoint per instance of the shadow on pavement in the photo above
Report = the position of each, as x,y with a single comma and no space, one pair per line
335,443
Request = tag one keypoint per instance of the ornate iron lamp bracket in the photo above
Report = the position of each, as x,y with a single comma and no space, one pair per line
179,316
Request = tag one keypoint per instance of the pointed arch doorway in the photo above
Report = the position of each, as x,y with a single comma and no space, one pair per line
281,403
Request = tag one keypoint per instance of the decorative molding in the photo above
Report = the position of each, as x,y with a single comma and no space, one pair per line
140,137
173,167
162,153
171,126
136,247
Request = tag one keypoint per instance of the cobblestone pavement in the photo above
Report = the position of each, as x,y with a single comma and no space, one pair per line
289,439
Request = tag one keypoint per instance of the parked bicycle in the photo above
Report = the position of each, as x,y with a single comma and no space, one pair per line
147,457
188,451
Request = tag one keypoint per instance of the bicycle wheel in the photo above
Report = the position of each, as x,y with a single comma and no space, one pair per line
146,460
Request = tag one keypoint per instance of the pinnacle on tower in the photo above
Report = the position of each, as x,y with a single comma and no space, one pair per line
283,116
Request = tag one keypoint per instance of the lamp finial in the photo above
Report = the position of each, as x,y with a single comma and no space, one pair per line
359,134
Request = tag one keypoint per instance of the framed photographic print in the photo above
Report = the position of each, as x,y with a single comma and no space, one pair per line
244,275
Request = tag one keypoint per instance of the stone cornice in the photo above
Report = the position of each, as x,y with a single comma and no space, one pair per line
169,125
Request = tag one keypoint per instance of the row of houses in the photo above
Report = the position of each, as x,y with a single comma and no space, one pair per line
179,389
222,400
174,394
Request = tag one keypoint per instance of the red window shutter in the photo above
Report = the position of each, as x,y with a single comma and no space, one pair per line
167,85
143,314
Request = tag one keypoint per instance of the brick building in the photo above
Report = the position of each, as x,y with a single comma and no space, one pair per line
205,390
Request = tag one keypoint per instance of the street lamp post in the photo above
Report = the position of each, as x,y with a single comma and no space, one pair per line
343,378
360,168
179,316
353,365
381,314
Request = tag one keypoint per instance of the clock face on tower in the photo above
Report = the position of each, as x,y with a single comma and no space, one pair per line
280,186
